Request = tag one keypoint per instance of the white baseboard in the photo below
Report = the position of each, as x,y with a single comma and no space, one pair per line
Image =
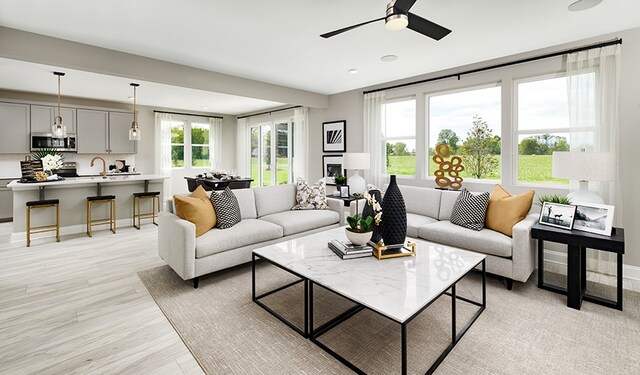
21,237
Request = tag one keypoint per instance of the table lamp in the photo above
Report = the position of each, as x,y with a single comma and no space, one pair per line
584,167
357,161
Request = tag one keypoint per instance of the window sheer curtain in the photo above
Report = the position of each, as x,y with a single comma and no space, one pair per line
593,85
373,139
243,150
215,143
300,142
163,122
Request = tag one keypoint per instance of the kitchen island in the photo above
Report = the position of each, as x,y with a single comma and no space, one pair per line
72,193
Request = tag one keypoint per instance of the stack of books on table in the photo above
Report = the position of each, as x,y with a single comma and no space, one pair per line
347,250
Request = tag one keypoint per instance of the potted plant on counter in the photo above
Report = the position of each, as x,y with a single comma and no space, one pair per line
359,231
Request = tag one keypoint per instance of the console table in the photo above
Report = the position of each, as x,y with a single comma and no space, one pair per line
577,243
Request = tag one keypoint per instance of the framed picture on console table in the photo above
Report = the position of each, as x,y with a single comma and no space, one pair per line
332,165
334,136
594,218
557,215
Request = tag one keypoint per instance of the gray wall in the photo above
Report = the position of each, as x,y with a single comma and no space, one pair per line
348,106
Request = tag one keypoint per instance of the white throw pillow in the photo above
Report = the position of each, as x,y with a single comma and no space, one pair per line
311,197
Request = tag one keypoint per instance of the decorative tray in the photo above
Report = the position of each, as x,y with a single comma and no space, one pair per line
381,251
35,181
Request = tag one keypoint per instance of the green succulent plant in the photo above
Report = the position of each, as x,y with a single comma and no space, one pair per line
358,224
553,198
340,179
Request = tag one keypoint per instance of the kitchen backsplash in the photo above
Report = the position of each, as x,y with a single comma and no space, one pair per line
10,163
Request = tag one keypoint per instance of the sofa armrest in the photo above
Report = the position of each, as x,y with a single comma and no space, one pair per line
337,206
177,244
523,248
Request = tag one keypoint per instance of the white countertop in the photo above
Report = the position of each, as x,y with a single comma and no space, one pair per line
396,287
69,182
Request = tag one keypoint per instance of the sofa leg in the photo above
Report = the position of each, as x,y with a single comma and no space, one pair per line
509,283
196,281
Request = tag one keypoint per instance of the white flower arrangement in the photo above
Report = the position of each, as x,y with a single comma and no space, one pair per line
51,162
377,209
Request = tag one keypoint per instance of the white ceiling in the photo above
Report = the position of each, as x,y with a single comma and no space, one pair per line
278,41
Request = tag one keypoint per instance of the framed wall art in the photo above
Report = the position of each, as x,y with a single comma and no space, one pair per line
557,215
334,136
332,165
594,218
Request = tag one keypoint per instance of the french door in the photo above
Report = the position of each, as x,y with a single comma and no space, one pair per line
271,151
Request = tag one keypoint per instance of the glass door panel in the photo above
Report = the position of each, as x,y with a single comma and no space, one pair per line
266,159
282,153
255,156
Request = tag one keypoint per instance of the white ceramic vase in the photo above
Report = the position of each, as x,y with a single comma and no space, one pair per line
358,239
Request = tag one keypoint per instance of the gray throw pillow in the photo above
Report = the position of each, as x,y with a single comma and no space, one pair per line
469,210
227,208
312,197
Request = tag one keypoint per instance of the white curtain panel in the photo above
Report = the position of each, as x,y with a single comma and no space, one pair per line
243,150
163,122
215,143
300,142
373,137
593,84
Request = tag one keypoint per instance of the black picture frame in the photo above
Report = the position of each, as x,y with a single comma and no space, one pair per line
331,166
557,215
344,191
334,136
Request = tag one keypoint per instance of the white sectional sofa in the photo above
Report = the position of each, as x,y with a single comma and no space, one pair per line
267,218
428,214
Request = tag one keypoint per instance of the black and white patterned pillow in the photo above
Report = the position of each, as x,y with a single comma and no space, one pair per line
311,197
227,208
469,210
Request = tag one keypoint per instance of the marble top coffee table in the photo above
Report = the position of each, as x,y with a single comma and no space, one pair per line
398,288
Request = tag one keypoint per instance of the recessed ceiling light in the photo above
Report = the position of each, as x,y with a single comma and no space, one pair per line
583,5
205,107
353,71
387,58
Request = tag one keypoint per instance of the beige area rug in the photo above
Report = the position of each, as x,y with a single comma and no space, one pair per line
523,331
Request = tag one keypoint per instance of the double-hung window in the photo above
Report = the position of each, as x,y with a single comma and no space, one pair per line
399,130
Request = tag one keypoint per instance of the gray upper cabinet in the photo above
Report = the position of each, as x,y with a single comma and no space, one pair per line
93,130
14,122
101,132
42,117
119,124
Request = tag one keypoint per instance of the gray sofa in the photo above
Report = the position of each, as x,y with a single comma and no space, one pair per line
428,214
267,218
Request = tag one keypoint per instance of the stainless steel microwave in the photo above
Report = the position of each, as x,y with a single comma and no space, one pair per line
43,141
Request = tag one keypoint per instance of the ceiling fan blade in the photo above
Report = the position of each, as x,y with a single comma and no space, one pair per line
340,31
404,5
426,27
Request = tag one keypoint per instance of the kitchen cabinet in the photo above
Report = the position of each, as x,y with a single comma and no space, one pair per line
42,117
102,132
14,122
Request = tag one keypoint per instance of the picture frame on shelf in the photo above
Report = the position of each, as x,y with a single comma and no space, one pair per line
594,218
344,191
334,136
557,215
332,165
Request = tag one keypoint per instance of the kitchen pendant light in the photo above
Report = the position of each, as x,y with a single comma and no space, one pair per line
134,132
58,130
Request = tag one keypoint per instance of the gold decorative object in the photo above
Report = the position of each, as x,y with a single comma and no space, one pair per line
447,168
41,176
383,252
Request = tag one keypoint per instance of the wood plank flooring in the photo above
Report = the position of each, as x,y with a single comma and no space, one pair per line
78,307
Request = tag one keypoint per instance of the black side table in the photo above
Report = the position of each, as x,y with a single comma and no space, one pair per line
577,243
347,200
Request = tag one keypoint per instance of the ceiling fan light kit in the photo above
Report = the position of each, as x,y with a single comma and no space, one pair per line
395,20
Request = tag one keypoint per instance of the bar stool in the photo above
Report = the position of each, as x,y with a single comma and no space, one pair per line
45,203
111,220
155,201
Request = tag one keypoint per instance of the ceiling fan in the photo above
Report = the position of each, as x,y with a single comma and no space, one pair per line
398,17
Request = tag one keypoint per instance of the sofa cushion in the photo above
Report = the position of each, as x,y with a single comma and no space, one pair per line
227,208
197,209
272,199
246,232
484,241
300,221
447,201
312,197
470,210
421,201
247,203
415,221
506,210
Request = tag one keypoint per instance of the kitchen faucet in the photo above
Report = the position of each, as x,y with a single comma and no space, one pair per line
104,166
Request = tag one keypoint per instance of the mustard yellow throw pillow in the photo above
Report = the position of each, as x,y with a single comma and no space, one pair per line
506,210
196,208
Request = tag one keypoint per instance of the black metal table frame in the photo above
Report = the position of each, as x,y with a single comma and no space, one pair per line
308,331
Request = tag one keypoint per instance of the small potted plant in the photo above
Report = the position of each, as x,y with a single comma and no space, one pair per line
359,231
340,179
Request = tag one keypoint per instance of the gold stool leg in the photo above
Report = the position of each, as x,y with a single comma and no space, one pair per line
139,214
57,223
89,220
153,206
28,226
113,210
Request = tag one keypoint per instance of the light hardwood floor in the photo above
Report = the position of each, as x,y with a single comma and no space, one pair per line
78,307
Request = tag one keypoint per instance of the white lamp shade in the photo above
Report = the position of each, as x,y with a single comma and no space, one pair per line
583,166
356,160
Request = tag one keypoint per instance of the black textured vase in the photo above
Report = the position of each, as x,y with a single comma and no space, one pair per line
368,211
394,215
